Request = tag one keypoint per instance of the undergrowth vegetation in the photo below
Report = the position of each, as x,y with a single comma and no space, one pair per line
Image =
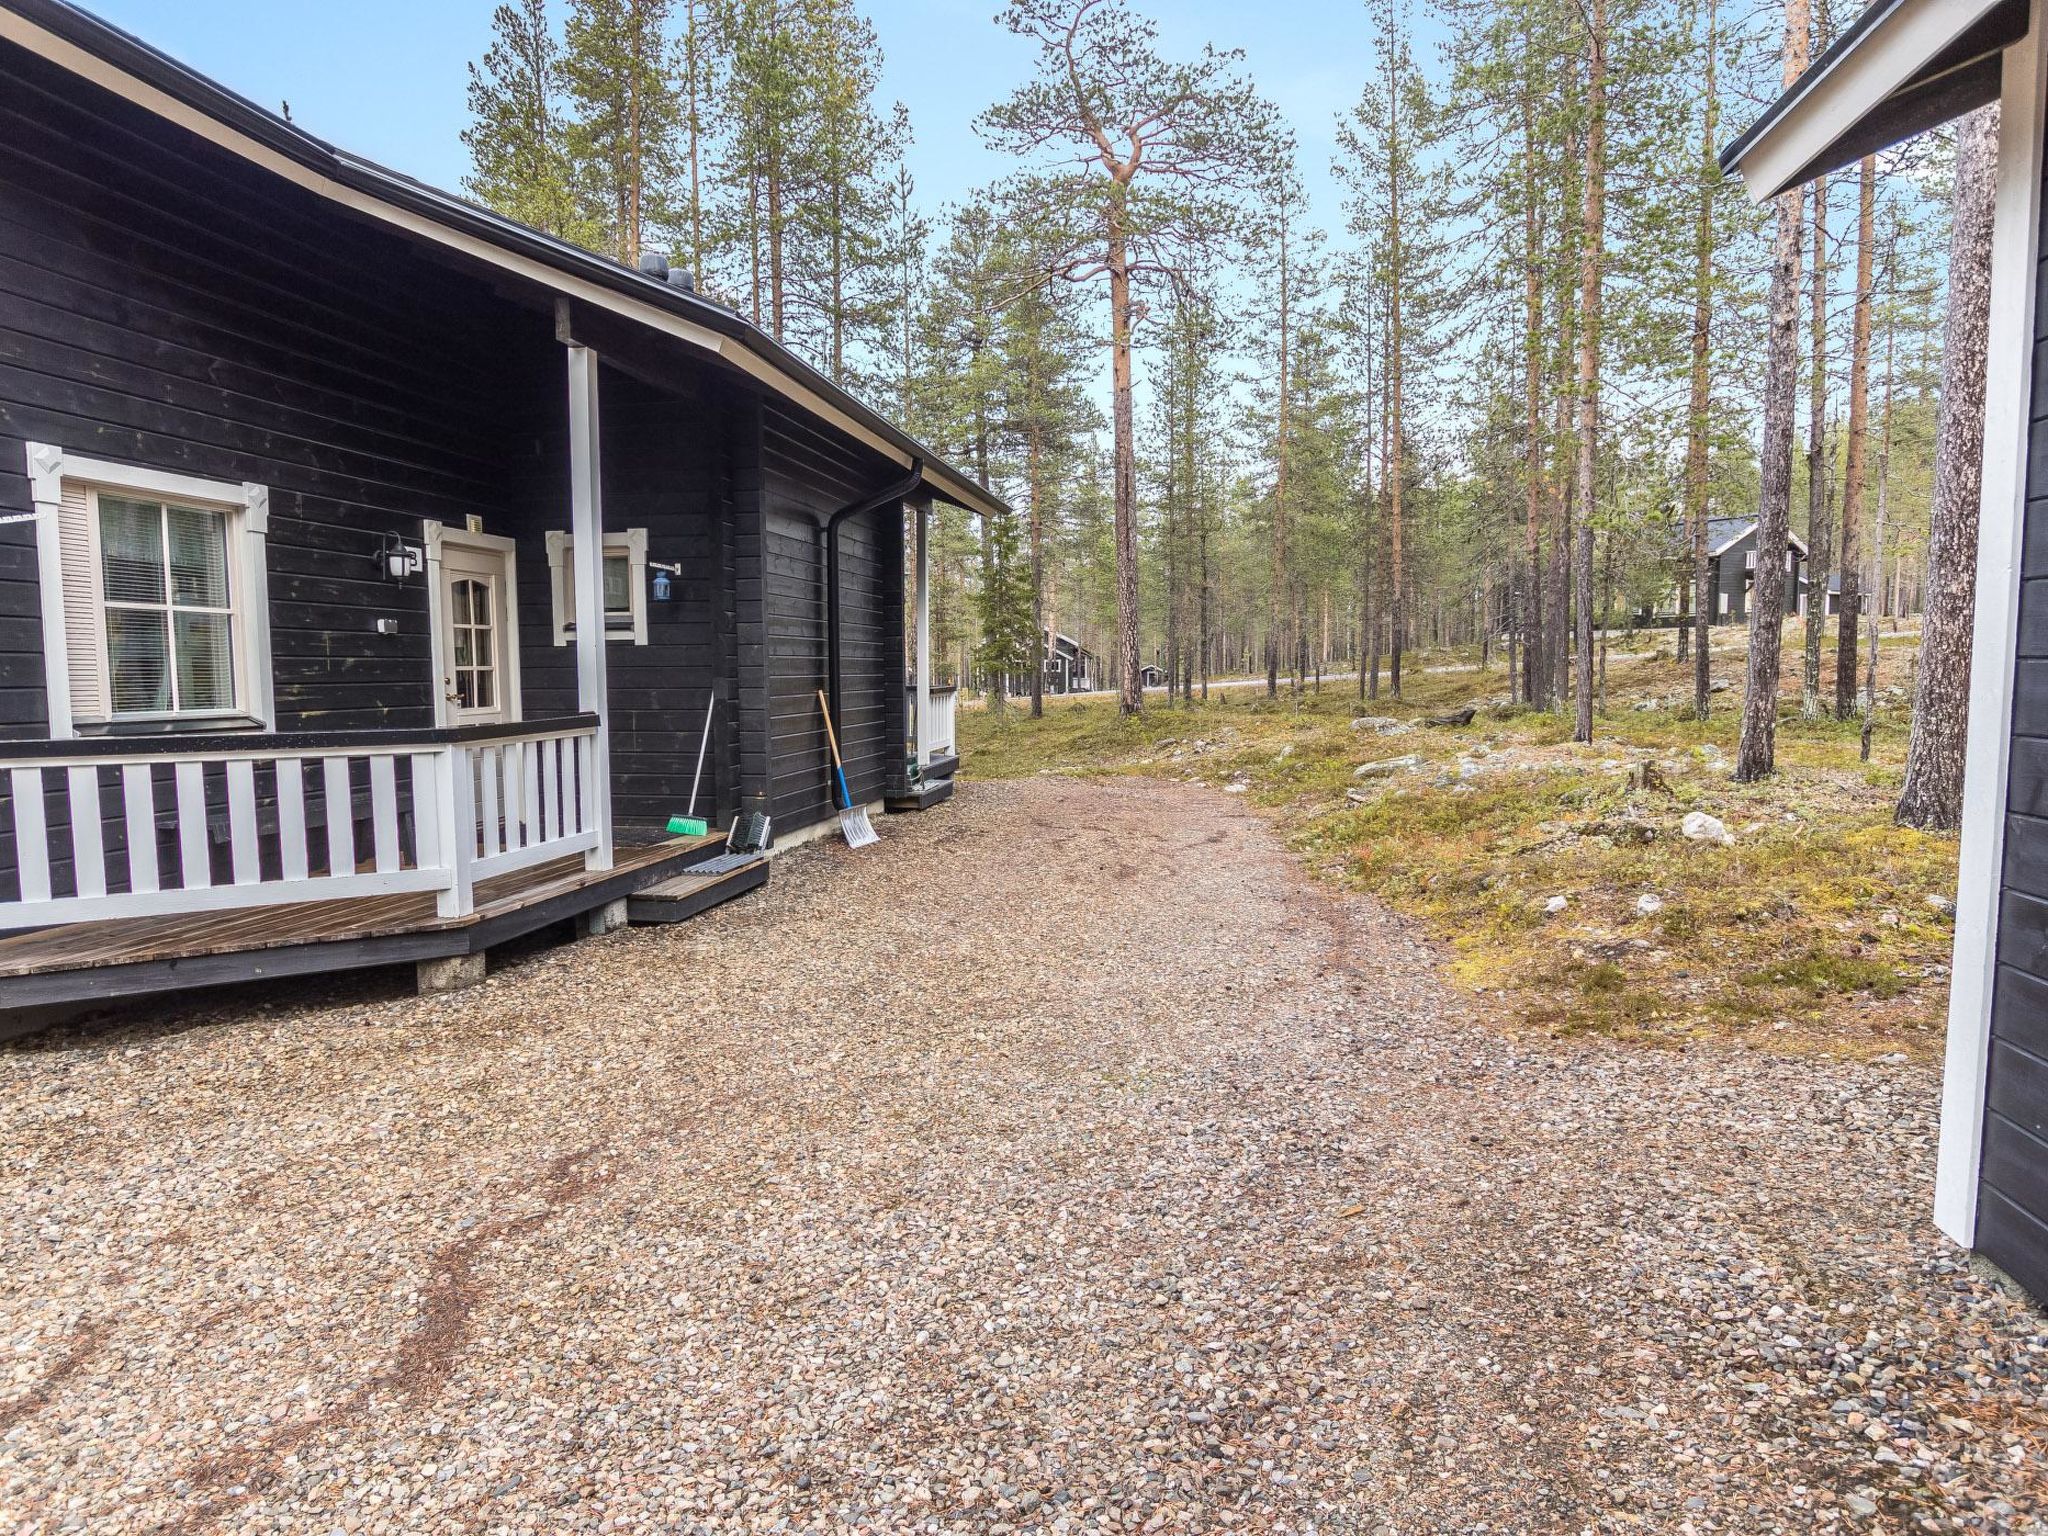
1559,875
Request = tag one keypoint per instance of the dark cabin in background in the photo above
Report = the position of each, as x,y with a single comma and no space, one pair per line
308,476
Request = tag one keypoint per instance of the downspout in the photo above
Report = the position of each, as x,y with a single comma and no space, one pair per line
897,491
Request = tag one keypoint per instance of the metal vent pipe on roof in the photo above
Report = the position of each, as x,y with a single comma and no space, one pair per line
655,265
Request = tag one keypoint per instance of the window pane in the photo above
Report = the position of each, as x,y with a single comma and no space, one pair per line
138,661
199,558
132,550
480,601
484,693
205,673
618,584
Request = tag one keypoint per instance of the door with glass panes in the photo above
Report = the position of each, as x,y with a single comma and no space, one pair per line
476,636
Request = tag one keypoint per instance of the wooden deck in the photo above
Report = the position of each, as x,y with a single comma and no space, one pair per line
89,962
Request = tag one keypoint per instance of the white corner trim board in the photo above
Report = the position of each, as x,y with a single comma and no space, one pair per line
2000,541
50,467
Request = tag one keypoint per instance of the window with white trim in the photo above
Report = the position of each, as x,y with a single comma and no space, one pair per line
155,594
625,585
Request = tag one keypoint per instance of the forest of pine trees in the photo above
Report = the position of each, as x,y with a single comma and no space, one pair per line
1496,408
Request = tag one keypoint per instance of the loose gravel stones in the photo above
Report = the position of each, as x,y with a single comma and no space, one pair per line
1065,1164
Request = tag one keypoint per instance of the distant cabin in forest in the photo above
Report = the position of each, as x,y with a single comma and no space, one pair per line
1731,568
1070,667
1151,676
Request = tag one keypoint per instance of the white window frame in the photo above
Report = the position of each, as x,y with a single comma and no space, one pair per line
632,543
247,507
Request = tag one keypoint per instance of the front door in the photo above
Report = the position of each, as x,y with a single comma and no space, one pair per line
477,684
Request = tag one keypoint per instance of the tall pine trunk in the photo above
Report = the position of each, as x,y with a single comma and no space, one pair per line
1756,751
1592,237
1130,687
1849,555
1699,417
1933,793
1533,664
1818,537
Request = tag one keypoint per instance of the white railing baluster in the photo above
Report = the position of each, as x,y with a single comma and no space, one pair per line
508,766
245,854
529,779
291,818
138,804
88,839
341,817
195,863
427,810
384,812
31,834
488,774
551,790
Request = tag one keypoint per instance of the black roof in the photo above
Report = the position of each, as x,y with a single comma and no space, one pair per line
134,57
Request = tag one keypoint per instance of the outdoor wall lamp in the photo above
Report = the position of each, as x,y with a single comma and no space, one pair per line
397,559
664,583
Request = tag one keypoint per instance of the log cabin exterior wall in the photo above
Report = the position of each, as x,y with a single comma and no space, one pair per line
164,303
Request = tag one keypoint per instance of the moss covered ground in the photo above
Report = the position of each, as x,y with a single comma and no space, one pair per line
1556,874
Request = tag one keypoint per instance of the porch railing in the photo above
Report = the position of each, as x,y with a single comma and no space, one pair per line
150,826
939,730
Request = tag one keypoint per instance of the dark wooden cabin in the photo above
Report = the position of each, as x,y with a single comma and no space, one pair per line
306,470
1731,568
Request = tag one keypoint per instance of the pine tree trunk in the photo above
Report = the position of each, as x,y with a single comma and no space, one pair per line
1933,793
1277,588
1699,420
1817,535
1532,367
1130,688
1592,237
1756,751
1849,556
1884,488
1036,469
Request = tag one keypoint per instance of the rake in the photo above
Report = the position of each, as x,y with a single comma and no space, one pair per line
853,819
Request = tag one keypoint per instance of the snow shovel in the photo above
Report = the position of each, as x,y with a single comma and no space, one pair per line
853,819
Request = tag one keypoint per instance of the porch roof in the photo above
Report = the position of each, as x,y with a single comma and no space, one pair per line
1904,66
95,50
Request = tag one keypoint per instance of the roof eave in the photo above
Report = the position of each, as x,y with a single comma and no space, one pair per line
1904,66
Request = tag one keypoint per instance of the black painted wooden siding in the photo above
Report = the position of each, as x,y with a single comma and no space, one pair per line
2012,1200
809,473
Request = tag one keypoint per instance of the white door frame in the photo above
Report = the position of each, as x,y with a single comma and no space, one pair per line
439,536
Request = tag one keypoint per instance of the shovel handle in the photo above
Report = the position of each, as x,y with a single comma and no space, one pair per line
832,739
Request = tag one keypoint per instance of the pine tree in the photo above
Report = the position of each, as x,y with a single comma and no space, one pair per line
619,66
516,136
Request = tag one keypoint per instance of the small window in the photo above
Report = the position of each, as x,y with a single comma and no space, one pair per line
167,608
625,585
165,596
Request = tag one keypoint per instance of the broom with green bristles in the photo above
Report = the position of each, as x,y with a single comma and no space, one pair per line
853,819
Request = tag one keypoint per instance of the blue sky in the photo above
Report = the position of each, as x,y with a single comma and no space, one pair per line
385,78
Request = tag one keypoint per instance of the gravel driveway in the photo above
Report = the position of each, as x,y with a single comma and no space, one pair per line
1066,1163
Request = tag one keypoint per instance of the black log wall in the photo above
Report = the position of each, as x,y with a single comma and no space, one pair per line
2012,1195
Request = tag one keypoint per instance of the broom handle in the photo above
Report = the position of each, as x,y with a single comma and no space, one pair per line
831,737
703,742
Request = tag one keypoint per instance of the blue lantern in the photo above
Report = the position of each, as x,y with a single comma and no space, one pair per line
661,586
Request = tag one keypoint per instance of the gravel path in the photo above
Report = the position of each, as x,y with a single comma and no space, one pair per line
1066,1164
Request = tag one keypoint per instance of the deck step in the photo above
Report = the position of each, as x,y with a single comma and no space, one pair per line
683,897
922,797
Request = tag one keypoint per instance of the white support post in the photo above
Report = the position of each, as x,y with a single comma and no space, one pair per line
454,807
1995,642
924,636
586,540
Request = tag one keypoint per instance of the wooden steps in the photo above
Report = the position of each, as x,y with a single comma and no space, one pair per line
683,897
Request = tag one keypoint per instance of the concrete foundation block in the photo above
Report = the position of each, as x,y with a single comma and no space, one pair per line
450,973
609,918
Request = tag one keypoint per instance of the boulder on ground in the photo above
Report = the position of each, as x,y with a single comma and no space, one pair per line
1386,768
1455,716
1702,828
